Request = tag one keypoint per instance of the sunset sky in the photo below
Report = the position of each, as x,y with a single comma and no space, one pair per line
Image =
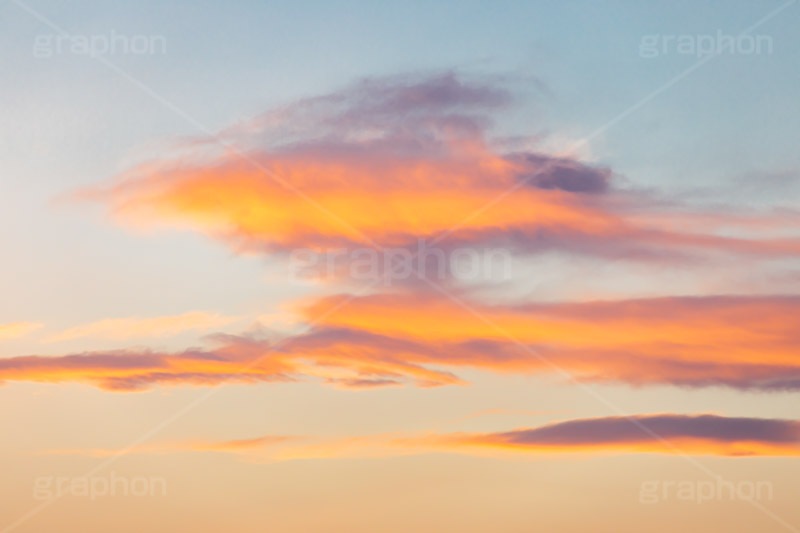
371,266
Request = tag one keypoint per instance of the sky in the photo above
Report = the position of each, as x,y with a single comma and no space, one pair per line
359,266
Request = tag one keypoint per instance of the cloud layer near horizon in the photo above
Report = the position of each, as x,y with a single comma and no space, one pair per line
662,433
668,433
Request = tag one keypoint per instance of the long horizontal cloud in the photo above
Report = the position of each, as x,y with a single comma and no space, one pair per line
743,342
413,338
137,370
704,434
394,161
235,360
663,433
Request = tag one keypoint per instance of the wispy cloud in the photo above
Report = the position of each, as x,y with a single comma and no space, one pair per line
15,330
238,446
131,328
128,370
704,434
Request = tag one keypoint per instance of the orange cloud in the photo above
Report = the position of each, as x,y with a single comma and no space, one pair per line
129,370
352,200
380,340
737,341
393,162
237,360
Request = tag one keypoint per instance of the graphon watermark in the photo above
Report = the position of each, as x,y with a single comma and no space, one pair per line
99,44
704,44
652,492
94,487
391,266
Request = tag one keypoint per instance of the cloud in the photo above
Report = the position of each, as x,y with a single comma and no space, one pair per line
663,433
393,161
704,434
129,370
238,360
237,446
737,341
743,342
162,326
15,330
240,445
